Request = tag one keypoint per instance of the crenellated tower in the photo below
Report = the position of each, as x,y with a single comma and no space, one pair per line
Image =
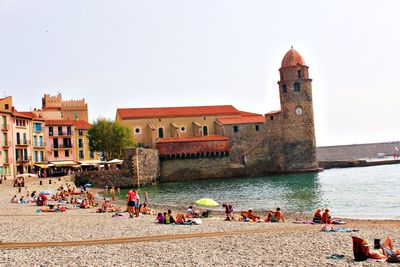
297,125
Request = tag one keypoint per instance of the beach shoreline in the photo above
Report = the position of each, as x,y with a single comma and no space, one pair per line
252,244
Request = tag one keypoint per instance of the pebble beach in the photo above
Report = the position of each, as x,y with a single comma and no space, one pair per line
244,244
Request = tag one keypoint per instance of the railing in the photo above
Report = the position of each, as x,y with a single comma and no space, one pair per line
6,143
61,146
38,144
24,159
37,130
23,142
61,133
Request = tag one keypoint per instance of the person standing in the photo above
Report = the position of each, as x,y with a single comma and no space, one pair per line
137,204
112,192
131,196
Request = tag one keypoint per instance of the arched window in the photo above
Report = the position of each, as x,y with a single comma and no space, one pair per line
300,74
205,130
160,132
284,88
296,87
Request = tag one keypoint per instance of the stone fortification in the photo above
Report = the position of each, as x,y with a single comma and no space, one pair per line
144,165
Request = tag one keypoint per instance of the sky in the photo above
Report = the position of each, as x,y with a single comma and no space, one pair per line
121,54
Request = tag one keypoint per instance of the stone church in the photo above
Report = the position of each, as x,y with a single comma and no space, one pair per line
201,142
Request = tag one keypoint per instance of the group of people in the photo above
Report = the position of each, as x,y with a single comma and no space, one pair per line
135,206
272,216
325,217
168,218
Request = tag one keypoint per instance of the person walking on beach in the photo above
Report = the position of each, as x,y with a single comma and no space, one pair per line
112,192
131,195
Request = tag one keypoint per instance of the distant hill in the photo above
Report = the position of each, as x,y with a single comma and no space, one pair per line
357,151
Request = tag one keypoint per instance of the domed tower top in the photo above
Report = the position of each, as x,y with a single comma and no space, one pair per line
292,59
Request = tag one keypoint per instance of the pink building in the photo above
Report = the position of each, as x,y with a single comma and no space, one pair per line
59,135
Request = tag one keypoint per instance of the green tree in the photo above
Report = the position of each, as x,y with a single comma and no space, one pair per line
110,139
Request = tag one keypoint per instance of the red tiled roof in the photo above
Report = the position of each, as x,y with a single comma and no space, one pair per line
245,113
24,114
242,120
165,112
193,139
273,112
81,124
59,122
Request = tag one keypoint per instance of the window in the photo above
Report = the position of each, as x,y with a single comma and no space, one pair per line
41,156
18,139
24,138
37,127
3,122
35,141
5,139
81,155
66,153
137,130
300,74
160,132
236,128
35,156
80,143
271,118
41,141
183,129
257,127
284,88
25,154
80,132
56,154
205,130
296,87
6,106
60,130
50,131
69,132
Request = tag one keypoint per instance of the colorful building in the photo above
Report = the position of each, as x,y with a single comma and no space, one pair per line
6,157
22,127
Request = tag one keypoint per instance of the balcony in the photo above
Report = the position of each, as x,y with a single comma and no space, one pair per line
61,146
23,159
6,143
60,134
38,130
23,143
4,127
7,161
38,145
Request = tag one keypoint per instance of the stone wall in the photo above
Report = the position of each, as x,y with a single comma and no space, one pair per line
144,165
353,152
100,179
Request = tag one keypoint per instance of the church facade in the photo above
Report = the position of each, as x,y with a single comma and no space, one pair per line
221,141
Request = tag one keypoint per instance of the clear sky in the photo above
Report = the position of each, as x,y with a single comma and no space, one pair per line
183,53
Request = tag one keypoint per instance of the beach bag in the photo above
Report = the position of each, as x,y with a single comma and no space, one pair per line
359,251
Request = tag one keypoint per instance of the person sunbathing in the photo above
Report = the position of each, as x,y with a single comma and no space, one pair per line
180,218
317,216
84,204
160,218
14,199
384,252
326,218
249,215
191,213
274,216
144,209
169,218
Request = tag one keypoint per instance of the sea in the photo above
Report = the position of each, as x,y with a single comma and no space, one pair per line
363,193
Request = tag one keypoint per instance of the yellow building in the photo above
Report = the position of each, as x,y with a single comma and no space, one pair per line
81,142
150,124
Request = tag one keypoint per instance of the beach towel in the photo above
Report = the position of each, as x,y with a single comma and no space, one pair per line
336,256
121,215
339,230
303,222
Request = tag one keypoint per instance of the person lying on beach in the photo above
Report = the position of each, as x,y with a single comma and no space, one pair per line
14,199
84,204
384,252
228,211
317,216
180,218
22,200
274,216
249,215
144,209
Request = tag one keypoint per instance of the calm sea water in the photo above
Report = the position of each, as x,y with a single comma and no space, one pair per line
370,192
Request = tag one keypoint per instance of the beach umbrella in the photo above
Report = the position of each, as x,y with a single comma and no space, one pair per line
207,202
45,193
88,185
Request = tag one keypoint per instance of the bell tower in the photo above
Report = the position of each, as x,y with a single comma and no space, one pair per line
298,135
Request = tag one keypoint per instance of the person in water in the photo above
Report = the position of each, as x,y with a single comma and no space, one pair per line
274,216
317,216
